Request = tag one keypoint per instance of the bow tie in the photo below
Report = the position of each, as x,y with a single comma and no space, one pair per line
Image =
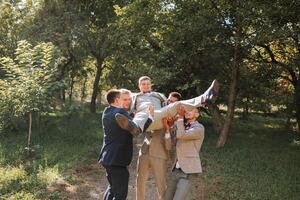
187,126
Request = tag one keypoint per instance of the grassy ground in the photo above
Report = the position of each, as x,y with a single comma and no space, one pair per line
259,162
66,140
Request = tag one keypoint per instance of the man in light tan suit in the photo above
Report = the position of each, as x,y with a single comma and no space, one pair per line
147,97
187,161
153,154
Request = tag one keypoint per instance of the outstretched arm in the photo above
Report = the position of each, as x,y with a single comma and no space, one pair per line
193,133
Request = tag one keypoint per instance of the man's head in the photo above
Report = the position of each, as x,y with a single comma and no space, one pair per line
192,115
125,98
113,97
173,97
145,84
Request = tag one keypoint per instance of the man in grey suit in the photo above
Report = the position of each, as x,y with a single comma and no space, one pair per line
146,97
186,164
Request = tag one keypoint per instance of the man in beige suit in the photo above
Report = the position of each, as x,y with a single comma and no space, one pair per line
153,154
153,157
187,161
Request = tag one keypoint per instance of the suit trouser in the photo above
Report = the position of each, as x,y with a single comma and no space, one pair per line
141,117
178,185
159,167
118,178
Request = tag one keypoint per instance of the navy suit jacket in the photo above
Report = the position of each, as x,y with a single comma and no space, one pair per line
117,142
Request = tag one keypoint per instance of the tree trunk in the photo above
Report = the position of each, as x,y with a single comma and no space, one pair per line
233,86
29,131
96,85
99,97
71,90
288,123
217,118
245,109
63,95
289,114
297,103
83,89
39,122
63,70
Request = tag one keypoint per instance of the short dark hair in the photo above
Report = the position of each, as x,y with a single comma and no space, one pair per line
112,95
175,94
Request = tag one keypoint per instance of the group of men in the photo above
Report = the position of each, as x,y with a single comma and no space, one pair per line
165,123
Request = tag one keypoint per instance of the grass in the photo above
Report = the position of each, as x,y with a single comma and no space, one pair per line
259,161
64,141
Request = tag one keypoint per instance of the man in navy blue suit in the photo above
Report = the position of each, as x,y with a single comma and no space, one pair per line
116,152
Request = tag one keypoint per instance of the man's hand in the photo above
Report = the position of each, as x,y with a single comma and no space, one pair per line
180,111
150,110
134,111
171,120
166,125
168,122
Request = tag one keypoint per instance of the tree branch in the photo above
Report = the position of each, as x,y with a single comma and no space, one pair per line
286,78
270,53
284,66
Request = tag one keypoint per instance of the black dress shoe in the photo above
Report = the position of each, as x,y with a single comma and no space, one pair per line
211,94
127,124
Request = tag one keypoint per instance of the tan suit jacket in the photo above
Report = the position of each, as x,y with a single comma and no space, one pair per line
154,144
153,154
188,145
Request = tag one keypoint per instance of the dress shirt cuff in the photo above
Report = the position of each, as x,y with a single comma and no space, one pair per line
167,135
180,120
150,117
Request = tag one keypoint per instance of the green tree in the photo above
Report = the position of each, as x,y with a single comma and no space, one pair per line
277,45
30,83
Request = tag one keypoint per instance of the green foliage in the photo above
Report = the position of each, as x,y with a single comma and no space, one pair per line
31,80
15,17
181,45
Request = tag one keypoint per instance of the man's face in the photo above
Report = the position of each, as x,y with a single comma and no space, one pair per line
145,86
126,100
172,99
192,114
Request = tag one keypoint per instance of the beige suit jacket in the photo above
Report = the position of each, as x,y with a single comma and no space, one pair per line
188,145
154,144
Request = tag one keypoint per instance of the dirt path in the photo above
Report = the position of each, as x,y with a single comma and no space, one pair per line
90,182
